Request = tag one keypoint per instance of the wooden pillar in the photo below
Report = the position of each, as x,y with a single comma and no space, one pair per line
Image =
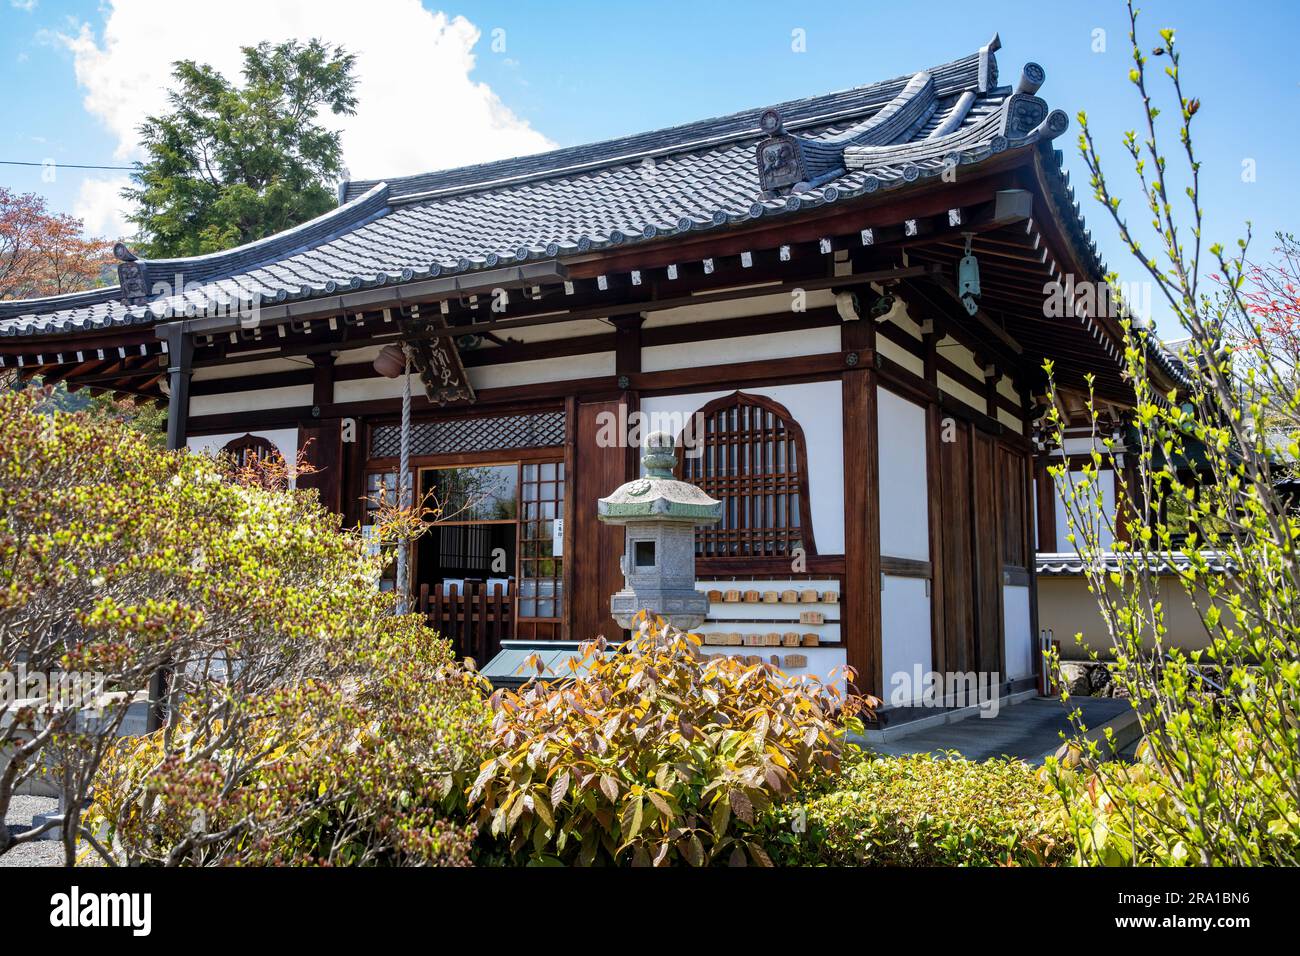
1031,547
860,622
627,363
322,379
180,368
934,504
567,630
320,440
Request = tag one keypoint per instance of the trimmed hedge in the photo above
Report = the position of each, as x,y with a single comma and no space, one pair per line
924,810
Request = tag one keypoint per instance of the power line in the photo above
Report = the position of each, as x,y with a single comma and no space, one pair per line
14,162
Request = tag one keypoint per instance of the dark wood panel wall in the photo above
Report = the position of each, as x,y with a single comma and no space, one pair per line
980,478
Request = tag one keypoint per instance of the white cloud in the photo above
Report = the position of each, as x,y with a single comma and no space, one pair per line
101,207
26,6
418,107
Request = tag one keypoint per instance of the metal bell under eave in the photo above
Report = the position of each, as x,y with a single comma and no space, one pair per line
968,279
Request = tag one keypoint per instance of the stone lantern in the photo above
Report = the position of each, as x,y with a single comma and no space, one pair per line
660,514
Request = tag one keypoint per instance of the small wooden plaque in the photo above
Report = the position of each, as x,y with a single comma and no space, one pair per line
796,660
812,617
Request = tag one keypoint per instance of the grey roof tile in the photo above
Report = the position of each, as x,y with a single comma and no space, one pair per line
693,177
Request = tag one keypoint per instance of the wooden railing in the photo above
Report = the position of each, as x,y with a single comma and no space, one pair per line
476,620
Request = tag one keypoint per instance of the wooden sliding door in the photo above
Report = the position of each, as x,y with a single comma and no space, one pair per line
970,550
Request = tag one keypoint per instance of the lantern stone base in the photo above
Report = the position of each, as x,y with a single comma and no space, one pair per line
685,607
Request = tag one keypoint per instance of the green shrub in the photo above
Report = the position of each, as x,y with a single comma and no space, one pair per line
1139,814
654,755
370,770
307,721
923,810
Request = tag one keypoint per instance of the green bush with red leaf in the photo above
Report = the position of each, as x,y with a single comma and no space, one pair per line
654,754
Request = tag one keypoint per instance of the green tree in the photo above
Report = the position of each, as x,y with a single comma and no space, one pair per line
231,164
1218,779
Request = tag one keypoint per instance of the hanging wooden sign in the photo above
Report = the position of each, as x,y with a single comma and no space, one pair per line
437,359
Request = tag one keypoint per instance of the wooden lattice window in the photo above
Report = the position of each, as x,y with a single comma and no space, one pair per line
248,451
751,456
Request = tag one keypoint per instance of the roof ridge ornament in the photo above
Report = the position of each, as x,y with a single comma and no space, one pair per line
779,158
988,75
132,275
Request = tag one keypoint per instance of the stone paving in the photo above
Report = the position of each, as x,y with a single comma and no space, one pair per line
1030,730
38,852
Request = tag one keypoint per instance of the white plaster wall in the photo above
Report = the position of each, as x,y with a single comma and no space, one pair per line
290,396
817,407
356,356
962,393
896,353
904,633
1011,421
758,304
560,330
559,369
748,348
1017,632
902,317
259,367
960,356
904,495
1106,478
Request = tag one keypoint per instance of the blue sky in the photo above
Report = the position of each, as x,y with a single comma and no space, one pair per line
572,72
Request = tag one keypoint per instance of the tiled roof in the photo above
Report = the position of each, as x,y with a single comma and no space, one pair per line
691,178
1069,563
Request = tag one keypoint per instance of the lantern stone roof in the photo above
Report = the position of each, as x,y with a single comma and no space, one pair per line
691,178
658,495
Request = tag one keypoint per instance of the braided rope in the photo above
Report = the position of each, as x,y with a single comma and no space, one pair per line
404,485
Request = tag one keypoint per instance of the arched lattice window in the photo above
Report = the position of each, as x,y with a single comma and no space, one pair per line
750,455
247,451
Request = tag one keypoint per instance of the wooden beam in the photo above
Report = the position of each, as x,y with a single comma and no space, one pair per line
658,305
